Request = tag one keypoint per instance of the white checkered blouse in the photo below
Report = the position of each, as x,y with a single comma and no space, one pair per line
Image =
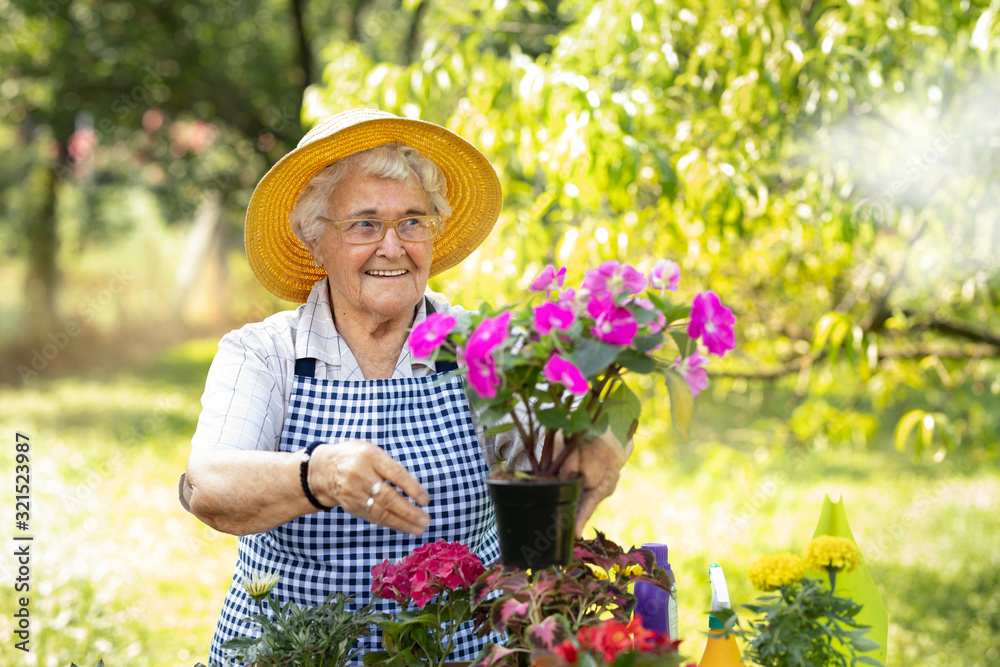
252,376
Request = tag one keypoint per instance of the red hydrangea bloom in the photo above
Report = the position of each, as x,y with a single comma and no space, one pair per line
428,571
712,322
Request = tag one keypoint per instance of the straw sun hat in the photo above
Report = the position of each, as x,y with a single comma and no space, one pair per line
284,265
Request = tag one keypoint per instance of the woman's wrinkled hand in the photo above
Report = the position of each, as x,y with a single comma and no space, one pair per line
345,475
600,462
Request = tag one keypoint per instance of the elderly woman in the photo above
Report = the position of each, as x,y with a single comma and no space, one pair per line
322,443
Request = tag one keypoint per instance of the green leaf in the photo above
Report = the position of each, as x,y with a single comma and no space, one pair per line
622,408
647,343
592,356
500,428
553,419
677,312
903,428
682,341
681,402
578,421
636,362
865,644
868,660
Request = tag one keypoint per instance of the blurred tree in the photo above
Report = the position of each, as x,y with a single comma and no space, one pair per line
192,100
831,169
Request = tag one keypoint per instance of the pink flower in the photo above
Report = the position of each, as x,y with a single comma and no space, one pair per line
482,373
478,354
565,373
428,335
549,279
691,367
550,315
665,274
567,297
612,324
490,333
613,279
712,322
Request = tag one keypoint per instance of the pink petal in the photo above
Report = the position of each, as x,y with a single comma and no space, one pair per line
566,373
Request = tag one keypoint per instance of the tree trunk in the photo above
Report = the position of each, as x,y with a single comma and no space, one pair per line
43,242
196,249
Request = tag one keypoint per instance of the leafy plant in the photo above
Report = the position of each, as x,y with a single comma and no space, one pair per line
321,636
540,609
806,624
614,644
559,366
437,579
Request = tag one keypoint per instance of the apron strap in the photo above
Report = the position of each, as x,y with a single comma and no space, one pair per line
307,367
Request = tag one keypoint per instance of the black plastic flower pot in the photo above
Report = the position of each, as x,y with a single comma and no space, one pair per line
535,520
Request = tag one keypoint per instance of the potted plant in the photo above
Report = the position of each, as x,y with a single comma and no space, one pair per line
554,372
433,586
805,624
611,643
321,636
546,614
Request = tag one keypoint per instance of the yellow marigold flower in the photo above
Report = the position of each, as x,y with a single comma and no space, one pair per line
772,572
259,585
837,553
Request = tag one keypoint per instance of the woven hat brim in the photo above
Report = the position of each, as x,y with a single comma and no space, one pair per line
284,265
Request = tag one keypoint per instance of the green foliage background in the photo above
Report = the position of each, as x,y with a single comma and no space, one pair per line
830,169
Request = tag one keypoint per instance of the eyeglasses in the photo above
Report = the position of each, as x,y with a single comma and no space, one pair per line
371,230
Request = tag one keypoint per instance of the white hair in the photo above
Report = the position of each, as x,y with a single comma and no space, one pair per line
396,161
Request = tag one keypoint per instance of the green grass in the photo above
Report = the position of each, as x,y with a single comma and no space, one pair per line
121,572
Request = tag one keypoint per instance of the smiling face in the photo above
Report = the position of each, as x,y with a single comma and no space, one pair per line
379,282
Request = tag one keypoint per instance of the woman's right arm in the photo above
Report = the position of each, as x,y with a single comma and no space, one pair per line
243,492
236,479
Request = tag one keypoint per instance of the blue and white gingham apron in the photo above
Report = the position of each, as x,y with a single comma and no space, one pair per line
423,423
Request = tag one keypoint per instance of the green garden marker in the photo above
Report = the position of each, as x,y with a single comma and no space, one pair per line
858,584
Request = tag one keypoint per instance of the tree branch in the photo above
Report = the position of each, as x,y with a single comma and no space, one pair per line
960,330
989,350
305,53
410,47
